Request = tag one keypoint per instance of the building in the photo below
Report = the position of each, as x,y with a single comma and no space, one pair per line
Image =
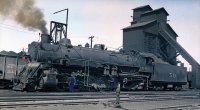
143,33
149,32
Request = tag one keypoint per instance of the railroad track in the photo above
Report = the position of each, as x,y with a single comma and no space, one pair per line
180,107
28,99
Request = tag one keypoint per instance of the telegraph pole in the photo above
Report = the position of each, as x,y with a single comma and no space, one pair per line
91,40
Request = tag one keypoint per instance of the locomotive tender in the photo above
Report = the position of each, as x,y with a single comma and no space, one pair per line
54,59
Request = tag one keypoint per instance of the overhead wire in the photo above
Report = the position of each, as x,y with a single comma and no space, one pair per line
11,25
14,28
17,30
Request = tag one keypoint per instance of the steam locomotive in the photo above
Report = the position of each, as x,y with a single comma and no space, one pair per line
52,62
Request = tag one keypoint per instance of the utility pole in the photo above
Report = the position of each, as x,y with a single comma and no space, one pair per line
91,40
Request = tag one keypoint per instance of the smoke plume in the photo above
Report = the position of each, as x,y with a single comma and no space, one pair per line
25,13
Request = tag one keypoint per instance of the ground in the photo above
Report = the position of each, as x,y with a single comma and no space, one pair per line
140,100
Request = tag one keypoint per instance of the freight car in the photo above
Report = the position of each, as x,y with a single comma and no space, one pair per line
11,64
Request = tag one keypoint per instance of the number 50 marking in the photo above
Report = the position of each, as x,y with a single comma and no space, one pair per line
172,75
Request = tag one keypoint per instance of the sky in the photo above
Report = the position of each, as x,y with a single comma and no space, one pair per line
105,20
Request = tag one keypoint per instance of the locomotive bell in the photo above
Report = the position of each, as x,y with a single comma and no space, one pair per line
45,38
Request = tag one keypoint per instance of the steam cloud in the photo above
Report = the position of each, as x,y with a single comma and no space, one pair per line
25,13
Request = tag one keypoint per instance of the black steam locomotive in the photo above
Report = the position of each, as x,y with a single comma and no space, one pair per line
53,60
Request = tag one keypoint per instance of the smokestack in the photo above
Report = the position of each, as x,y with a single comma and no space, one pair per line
25,13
